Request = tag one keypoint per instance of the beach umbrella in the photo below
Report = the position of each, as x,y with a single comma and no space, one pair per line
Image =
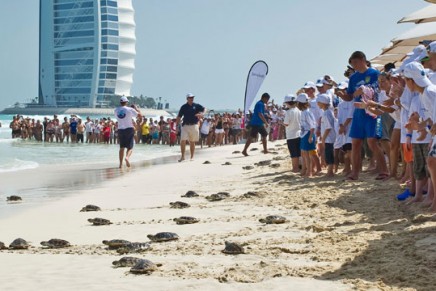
431,1
426,14
419,33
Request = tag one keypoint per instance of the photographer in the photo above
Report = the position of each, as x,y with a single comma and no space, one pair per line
126,131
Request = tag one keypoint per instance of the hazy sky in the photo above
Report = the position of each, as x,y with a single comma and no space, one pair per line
207,46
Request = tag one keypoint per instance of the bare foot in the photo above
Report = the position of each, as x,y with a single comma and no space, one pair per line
426,203
415,199
266,152
127,162
181,159
245,153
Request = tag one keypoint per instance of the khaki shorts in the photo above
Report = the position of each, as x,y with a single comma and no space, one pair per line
190,133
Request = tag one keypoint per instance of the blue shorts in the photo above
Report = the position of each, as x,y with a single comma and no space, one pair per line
363,126
305,145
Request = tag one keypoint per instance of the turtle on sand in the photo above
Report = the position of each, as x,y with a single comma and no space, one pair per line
190,194
253,149
236,152
114,244
134,248
125,262
90,207
143,266
13,198
275,165
3,246
233,248
179,204
227,164
186,220
55,243
215,197
263,163
19,244
273,219
99,221
248,168
163,236
206,163
251,194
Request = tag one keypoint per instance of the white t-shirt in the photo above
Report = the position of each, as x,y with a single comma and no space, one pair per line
307,122
346,111
89,126
328,122
405,100
315,110
340,138
293,121
416,106
124,116
205,127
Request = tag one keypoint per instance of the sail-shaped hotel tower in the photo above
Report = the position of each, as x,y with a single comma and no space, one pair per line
86,51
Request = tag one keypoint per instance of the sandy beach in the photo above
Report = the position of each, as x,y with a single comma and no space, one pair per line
339,235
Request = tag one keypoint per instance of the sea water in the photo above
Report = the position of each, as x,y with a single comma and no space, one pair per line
62,168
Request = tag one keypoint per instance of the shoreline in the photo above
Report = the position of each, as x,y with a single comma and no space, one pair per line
339,235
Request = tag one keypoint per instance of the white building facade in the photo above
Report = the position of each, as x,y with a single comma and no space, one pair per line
87,51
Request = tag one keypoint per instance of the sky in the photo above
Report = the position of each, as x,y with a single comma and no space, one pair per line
206,47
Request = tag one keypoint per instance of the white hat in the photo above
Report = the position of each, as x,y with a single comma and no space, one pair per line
309,84
416,71
302,98
343,85
421,56
124,99
320,82
417,50
290,98
323,98
190,95
432,48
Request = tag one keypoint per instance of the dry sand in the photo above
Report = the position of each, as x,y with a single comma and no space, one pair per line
340,235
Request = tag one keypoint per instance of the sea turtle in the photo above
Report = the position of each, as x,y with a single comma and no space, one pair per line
215,197
186,220
55,243
233,248
275,165
13,198
90,207
263,163
227,164
251,194
248,168
224,194
99,221
163,236
179,204
116,243
206,163
135,247
143,266
273,219
279,158
3,246
236,152
253,149
190,194
19,244
126,262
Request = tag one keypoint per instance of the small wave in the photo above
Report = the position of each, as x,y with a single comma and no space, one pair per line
18,165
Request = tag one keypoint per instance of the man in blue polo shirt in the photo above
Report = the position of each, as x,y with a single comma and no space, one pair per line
363,125
258,123
190,112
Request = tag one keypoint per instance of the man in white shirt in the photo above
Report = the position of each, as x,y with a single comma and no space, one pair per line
126,131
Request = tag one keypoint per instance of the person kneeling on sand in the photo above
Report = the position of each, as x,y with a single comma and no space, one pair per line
258,124
126,131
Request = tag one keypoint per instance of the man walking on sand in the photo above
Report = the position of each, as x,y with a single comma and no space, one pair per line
258,124
126,131
190,132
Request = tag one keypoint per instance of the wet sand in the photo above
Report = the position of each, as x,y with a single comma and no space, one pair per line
339,235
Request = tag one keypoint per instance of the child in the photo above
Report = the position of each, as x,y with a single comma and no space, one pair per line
328,134
307,134
339,142
292,123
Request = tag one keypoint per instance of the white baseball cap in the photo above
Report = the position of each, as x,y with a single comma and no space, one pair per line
432,48
421,56
190,95
417,50
124,99
302,98
343,85
309,84
320,82
323,98
416,71
290,98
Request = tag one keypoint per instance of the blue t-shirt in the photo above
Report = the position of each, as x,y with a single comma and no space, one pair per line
188,113
73,127
368,78
258,108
